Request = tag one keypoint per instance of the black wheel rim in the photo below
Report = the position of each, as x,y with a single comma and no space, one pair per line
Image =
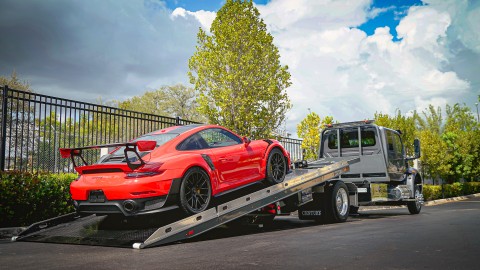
197,191
277,167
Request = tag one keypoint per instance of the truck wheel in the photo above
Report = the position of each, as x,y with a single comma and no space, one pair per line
276,167
414,207
337,203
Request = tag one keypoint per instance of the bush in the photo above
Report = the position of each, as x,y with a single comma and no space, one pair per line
26,198
432,192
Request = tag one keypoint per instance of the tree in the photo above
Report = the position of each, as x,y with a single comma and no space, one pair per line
462,137
14,83
177,100
238,73
309,129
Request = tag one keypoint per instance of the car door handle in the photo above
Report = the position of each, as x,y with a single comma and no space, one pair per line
225,159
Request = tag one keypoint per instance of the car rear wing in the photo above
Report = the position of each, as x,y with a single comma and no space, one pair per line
134,147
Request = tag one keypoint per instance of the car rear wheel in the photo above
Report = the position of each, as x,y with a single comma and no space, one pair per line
195,191
276,167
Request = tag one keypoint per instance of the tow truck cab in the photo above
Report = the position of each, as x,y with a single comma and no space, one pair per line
383,175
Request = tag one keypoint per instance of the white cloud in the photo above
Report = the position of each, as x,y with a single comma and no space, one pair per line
284,15
338,70
377,11
204,17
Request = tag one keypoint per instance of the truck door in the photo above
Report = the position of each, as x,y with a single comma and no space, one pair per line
396,159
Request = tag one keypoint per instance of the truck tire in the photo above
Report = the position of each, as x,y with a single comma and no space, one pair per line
414,207
337,203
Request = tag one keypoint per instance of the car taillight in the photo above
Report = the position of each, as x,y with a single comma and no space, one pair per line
142,174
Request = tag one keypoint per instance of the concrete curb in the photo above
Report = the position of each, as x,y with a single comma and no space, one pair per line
427,203
454,199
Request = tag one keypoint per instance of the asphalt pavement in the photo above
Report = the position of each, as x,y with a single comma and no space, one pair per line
445,236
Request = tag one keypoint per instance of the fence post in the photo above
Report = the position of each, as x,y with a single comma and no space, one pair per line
3,145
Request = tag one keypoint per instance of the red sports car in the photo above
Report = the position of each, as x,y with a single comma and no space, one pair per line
181,166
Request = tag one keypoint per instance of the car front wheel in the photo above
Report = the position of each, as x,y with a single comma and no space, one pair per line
276,167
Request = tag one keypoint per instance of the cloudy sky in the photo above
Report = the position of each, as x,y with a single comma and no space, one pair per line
348,58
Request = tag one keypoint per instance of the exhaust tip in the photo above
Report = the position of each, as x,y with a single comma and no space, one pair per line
129,206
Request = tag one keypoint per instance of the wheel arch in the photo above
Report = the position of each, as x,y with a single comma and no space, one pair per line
413,178
192,161
272,145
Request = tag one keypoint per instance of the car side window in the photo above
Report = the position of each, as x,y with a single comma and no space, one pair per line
216,137
194,142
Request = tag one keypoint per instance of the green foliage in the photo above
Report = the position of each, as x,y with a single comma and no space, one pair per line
451,148
26,198
237,71
309,129
462,137
177,100
434,192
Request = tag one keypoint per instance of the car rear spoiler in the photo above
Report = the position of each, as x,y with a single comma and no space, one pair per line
142,146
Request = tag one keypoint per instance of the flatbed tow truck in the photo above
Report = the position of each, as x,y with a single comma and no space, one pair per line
320,190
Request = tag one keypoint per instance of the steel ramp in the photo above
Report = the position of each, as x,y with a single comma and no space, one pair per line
163,228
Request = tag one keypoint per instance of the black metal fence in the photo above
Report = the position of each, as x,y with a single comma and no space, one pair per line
35,126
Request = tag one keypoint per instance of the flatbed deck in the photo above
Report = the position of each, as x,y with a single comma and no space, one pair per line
162,228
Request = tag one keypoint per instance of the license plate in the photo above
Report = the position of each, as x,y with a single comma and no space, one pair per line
312,212
96,196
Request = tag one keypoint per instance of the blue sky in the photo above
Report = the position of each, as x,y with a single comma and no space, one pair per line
392,11
395,10
196,5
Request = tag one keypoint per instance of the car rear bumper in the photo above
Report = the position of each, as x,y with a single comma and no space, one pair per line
129,206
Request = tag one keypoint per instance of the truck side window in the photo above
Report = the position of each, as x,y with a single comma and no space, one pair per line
398,146
332,139
395,149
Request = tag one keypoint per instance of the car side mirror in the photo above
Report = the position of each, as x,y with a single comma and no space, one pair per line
416,146
246,141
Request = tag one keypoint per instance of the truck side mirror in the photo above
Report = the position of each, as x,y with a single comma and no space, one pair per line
416,146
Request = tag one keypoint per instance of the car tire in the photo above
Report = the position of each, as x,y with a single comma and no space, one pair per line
276,167
195,191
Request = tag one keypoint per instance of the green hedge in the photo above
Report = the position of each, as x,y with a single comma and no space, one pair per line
26,198
431,192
